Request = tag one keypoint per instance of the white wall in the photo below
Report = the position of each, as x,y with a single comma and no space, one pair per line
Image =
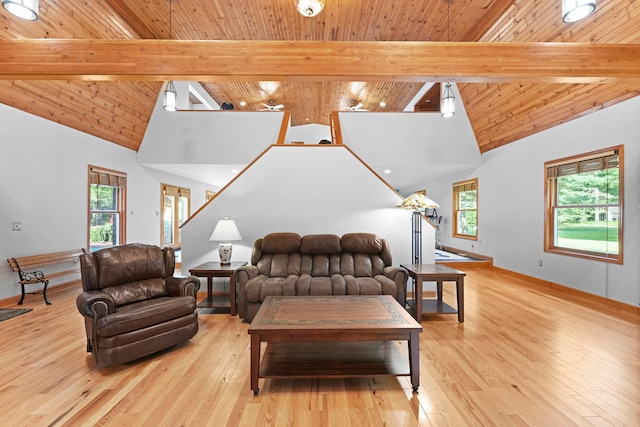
511,203
43,185
307,190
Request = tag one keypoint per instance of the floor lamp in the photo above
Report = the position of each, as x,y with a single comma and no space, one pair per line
417,202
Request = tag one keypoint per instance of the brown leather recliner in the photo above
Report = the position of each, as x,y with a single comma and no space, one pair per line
132,304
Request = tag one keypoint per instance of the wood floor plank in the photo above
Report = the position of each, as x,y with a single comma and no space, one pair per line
525,356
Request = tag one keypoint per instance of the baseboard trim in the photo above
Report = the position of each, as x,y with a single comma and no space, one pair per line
575,294
51,290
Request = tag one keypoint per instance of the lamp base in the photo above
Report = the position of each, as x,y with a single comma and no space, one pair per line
225,250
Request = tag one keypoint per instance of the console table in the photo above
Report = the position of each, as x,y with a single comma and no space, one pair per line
434,273
216,269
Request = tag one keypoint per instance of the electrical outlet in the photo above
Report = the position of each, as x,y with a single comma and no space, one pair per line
16,226
539,263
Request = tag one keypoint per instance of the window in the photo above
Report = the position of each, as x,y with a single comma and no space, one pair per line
583,212
465,209
176,204
107,219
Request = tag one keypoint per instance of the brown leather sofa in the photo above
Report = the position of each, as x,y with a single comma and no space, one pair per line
319,264
132,304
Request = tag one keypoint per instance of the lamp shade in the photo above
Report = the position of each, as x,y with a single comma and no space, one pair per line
225,231
418,201
170,98
25,9
575,10
448,102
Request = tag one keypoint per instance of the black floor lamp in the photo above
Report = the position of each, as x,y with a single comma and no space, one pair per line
417,202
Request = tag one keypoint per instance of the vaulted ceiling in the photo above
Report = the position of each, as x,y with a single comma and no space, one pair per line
117,107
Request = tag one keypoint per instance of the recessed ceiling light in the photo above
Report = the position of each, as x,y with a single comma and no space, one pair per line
243,103
387,171
383,104
234,170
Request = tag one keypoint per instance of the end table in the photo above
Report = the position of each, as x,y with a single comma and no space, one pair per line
437,273
216,269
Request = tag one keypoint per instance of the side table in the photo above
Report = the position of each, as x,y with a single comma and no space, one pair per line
216,269
435,273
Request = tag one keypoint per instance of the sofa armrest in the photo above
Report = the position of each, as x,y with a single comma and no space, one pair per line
400,276
242,275
95,304
245,273
183,286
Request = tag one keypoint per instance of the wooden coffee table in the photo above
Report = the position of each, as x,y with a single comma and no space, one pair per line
333,337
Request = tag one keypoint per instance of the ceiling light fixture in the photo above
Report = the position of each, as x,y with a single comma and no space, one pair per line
448,102
575,10
170,97
25,9
309,8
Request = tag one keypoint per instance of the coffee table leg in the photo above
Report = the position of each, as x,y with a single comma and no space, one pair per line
414,360
255,362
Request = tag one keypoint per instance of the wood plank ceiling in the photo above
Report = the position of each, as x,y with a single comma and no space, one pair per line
500,113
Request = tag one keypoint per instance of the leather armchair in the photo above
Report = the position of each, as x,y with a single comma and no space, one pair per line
132,304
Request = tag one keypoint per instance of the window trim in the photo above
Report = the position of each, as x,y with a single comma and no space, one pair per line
178,192
121,181
456,186
550,195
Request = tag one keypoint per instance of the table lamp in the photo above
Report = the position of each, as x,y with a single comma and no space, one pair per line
225,232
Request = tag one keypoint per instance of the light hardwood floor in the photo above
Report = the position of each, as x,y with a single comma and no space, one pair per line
524,356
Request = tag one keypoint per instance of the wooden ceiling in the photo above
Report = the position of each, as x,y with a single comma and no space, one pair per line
118,108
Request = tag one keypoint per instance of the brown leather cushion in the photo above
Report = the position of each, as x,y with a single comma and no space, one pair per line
281,243
137,291
320,244
140,315
361,243
129,263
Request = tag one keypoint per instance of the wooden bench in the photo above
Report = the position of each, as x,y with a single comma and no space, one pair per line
26,269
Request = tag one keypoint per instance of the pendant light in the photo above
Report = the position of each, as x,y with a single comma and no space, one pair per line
170,97
448,102
575,10
25,9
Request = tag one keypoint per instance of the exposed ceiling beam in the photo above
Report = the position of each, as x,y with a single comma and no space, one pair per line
73,59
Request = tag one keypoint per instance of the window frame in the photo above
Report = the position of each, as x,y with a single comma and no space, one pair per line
120,180
178,192
550,205
457,187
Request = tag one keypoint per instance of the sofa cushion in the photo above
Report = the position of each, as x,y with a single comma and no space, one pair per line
281,243
320,244
361,243
309,285
379,285
140,315
279,265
